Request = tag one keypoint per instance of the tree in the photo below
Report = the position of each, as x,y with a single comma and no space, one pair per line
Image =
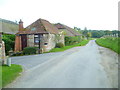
77,29
88,35
84,32
85,28
9,42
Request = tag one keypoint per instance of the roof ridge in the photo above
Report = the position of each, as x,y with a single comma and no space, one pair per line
69,30
43,24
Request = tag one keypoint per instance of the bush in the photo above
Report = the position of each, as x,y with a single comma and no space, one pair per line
29,50
18,54
59,45
72,40
9,42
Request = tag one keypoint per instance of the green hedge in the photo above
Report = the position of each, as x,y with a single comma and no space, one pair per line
30,50
72,40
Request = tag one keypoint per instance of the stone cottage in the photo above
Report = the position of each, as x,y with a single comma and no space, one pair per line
40,33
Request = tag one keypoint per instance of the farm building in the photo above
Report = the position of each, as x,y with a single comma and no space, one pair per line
40,33
68,31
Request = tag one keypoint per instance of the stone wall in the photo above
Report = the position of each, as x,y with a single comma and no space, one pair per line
47,41
2,52
60,39
30,40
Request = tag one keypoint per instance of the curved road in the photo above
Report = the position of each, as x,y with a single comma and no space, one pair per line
79,67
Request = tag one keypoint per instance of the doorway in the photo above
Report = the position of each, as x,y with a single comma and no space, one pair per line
24,41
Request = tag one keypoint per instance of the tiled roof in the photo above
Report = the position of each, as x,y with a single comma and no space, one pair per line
60,26
69,31
40,26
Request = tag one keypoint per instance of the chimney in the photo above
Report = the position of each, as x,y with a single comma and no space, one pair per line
20,25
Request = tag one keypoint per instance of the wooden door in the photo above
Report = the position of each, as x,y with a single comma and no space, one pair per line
24,41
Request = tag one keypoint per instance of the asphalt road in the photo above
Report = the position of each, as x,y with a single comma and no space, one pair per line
79,67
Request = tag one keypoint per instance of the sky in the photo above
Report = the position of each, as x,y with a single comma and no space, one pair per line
93,14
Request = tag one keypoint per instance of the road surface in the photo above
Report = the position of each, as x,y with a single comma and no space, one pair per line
80,67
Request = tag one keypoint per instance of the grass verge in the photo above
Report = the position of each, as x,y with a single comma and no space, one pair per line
10,73
0,76
110,42
84,42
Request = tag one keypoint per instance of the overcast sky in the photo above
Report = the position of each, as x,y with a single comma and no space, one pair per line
93,14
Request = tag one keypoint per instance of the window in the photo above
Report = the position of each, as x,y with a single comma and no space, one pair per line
36,39
36,36
33,29
45,43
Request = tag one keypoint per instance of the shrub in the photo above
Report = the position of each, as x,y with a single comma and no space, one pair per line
30,50
59,45
9,42
18,54
72,40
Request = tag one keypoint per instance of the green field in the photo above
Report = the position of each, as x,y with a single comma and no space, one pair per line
10,73
82,43
110,42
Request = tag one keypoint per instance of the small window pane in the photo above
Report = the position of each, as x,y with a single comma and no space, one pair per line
36,40
45,43
33,29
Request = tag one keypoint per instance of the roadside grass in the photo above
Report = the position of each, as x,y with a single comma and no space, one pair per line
110,42
82,43
10,73
0,76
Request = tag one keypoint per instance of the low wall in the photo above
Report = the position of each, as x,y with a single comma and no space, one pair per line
2,52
